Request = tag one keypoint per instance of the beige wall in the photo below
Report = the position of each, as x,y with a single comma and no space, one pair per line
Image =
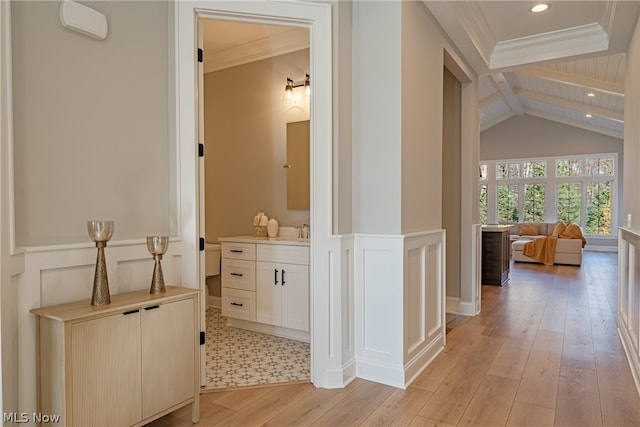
452,179
91,121
631,198
422,69
528,136
245,143
377,117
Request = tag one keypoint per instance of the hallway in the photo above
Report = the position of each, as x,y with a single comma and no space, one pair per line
544,352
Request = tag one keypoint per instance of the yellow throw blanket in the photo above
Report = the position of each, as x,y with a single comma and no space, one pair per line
542,249
573,232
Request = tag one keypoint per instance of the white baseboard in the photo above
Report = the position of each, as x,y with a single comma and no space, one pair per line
453,305
466,309
595,248
213,301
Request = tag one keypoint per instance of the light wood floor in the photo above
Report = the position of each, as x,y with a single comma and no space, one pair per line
544,352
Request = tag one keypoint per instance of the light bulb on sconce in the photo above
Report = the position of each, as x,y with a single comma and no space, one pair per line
306,83
288,89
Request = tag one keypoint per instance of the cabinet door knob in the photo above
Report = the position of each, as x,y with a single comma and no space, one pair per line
275,276
283,277
126,313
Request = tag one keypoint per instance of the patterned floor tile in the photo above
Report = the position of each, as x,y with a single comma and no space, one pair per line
237,357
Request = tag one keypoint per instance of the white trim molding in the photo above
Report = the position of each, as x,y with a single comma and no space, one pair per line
399,304
628,297
326,353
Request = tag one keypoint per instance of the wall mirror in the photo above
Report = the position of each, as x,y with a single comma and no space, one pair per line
297,166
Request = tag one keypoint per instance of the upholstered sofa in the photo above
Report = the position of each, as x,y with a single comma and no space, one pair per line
568,251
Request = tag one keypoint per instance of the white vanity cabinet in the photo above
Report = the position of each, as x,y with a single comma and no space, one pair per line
282,287
239,280
122,364
265,285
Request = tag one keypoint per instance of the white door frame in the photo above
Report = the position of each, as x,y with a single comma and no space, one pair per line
317,18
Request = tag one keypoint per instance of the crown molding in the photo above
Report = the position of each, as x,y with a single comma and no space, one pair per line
267,47
476,27
585,39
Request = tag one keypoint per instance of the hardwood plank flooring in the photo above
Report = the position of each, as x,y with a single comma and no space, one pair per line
543,352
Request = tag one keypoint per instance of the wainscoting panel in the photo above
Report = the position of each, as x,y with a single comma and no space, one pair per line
67,284
424,290
629,298
400,305
341,350
378,264
60,274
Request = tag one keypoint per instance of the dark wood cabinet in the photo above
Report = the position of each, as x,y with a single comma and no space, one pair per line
495,255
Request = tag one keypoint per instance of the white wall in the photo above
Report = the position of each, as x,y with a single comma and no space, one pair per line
91,131
631,177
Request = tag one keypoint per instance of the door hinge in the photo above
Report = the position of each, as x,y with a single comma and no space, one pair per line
200,55
200,150
202,243
202,338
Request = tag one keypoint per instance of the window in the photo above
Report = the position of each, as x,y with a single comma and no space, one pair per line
569,202
508,203
483,204
580,189
533,209
598,215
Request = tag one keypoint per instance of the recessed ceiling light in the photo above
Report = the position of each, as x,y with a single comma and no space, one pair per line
540,7
591,94
588,116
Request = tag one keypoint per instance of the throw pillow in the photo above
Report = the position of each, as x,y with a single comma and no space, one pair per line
528,230
559,229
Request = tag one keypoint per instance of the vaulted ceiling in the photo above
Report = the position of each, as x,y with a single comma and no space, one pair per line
566,64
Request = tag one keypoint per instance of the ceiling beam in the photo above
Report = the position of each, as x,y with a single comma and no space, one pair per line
574,80
571,105
496,97
510,98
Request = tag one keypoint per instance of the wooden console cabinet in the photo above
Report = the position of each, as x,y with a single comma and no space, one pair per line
122,364
495,254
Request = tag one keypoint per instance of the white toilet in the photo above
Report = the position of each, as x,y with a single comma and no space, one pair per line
212,259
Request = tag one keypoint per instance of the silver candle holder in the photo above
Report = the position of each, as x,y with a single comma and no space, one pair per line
157,246
100,232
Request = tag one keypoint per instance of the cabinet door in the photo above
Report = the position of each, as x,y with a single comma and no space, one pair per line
168,355
268,293
295,296
105,371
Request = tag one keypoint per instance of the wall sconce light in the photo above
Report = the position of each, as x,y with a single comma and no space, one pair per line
291,84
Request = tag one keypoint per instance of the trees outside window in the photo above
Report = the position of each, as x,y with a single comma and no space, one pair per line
576,189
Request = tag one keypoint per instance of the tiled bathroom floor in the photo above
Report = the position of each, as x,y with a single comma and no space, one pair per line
237,357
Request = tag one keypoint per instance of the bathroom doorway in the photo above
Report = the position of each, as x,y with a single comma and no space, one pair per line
244,114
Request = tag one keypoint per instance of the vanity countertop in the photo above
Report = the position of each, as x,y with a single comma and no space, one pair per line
266,240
